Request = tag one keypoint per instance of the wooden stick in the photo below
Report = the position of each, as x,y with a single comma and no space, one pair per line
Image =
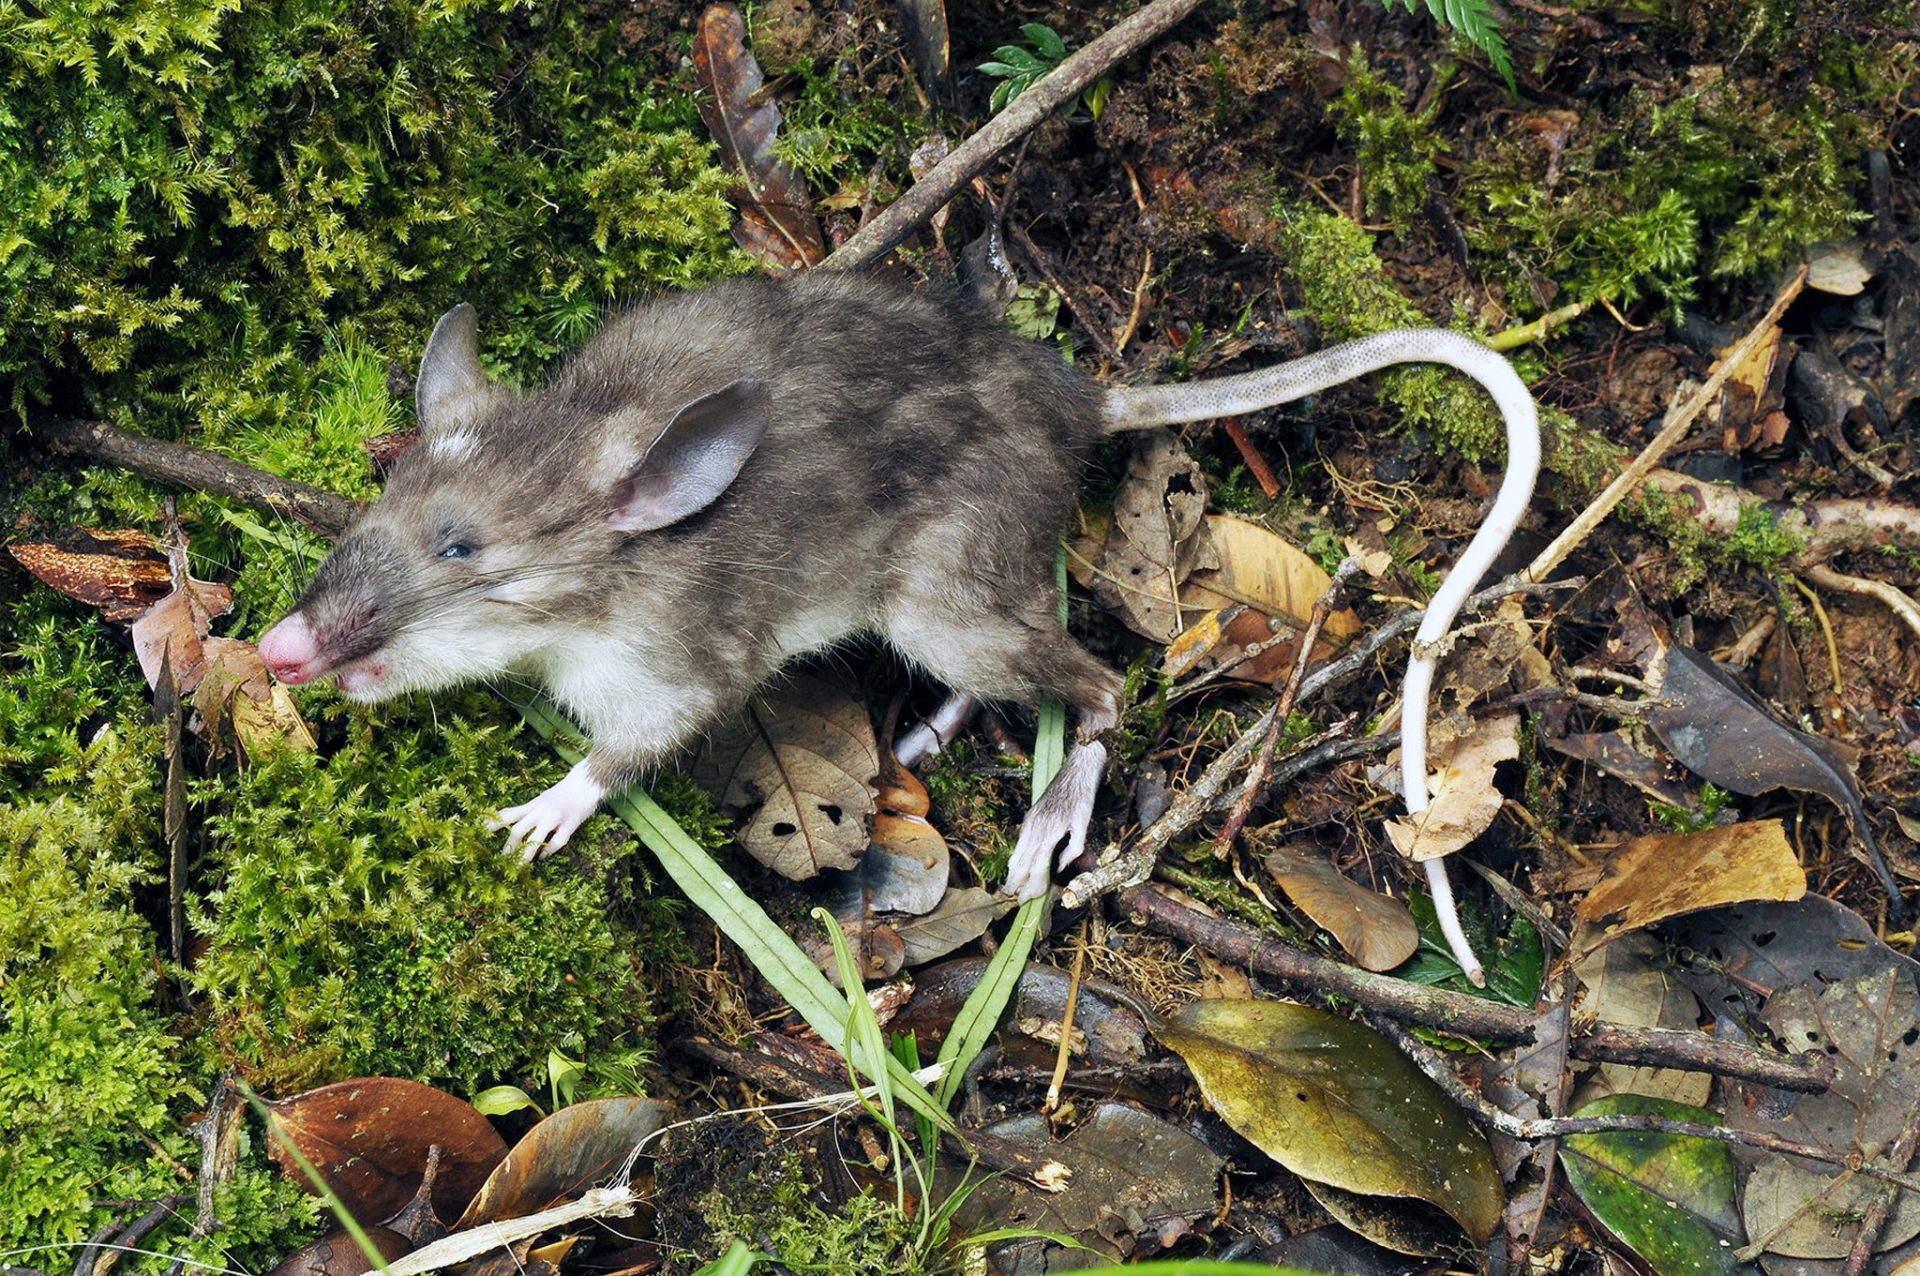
1027,112
197,469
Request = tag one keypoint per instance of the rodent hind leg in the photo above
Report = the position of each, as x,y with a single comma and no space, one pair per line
1007,657
937,730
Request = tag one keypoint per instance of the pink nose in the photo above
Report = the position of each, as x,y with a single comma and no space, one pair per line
289,649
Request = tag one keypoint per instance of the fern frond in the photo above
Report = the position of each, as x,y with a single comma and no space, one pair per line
1473,19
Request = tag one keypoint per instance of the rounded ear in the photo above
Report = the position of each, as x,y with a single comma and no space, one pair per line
451,384
694,460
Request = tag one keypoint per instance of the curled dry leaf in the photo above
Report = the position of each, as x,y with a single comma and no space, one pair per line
802,759
123,573
1336,1103
578,1147
777,222
235,690
1375,929
1261,592
369,1140
1650,879
1464,800
907,864
1154,540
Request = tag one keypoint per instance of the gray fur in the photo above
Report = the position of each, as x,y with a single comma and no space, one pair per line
918,466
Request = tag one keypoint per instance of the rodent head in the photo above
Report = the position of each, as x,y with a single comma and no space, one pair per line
486,539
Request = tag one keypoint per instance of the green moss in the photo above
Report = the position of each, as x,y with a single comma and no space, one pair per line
1759,540
1656,197
1344,289
364,918
867,1236
1396,148
195,194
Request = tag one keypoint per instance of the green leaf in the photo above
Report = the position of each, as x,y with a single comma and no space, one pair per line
501,1099
1336,1103
737,1261
1667,1197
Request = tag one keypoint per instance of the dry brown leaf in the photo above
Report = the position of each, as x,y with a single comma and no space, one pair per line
174,629
1838,268
907,864
1154,542
123,573
1254,566
1377,930
1652,878
1464,800
803,759
236,690
777,221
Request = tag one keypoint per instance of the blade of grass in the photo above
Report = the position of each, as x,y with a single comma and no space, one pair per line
772,952
983,1008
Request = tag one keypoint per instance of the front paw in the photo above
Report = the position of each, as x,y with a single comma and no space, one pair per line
543,825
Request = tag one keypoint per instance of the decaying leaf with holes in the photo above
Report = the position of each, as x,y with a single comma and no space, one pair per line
1464,799
1154,541
800,764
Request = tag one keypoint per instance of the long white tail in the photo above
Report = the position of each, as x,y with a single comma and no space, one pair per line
1134,409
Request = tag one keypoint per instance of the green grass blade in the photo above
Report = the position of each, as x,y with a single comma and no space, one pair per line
770,949
984,1006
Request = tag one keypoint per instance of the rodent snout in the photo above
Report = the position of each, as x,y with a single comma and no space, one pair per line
291,650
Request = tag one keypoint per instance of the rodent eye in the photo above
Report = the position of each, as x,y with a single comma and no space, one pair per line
459,549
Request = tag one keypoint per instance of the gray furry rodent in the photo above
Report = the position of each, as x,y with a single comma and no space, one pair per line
722,480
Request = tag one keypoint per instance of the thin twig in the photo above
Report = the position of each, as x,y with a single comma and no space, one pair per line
196,469
1677,425
1056,89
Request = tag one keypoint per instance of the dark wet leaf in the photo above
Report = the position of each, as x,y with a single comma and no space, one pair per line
923,28
1333,1101
369,1139
123,573
777,221
1667,1197
1721,732
801,759
336,1254
576,1148
1870,1029
1375,929
962,916
1739,956
1334,1251
1138,1183
1397,1223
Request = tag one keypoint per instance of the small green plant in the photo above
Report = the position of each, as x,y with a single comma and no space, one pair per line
1759,539
1019,67
1395,147
1680,819
1473,19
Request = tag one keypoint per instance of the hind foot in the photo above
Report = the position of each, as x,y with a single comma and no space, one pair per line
1062,814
